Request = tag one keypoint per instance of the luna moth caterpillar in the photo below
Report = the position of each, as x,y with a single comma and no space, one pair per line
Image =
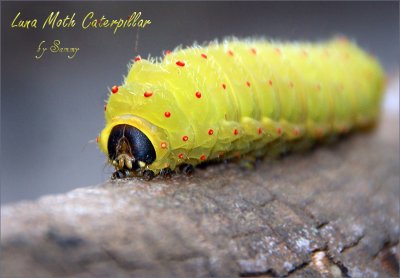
236,98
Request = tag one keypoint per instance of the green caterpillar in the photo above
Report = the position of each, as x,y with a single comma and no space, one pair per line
237,98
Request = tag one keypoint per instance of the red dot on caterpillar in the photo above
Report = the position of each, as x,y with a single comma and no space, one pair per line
343,129
270,82
163,145
259,130
97,139
114,89
185,138
167,114
167,52
235,132
296,131
204,55
180,156
343,39
148,94
138,58
180,64
230,52
253,50
247,83
198,94
319,132
223,86
279,130
203,157
210,132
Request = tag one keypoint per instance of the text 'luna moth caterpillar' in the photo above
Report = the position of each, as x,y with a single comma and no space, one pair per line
237,98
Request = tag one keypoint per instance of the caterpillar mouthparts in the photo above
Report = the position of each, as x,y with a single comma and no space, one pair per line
129,149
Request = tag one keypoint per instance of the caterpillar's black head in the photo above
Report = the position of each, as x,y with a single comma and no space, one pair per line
129,148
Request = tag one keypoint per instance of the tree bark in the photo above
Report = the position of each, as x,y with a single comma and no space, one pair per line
329,212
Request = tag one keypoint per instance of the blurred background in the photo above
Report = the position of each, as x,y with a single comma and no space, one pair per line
53,107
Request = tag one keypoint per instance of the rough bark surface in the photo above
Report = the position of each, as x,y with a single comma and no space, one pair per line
330,212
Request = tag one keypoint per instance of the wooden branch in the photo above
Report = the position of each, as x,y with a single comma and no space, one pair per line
331,212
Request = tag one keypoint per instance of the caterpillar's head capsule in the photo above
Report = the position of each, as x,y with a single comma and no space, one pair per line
129,149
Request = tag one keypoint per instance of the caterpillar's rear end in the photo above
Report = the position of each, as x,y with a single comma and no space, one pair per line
238,98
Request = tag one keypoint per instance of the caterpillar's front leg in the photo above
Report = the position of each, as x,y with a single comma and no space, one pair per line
166,173
120,174
187,169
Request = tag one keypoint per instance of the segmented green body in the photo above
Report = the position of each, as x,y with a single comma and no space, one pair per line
241,97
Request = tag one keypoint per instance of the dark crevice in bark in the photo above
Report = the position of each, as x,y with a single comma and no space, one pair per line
298,268
267,273
348,247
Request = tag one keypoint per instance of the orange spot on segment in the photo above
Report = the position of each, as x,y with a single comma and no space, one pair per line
198,94
210,132
180,156
167,114
259,130
230,52
167,52
163,145
278,51
138,58
97,139
254,51
319,131
235,132
270,82
279,130
223,86
343,39
185,138
180,64
114,89
203,157
204,55
247,83
148,94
